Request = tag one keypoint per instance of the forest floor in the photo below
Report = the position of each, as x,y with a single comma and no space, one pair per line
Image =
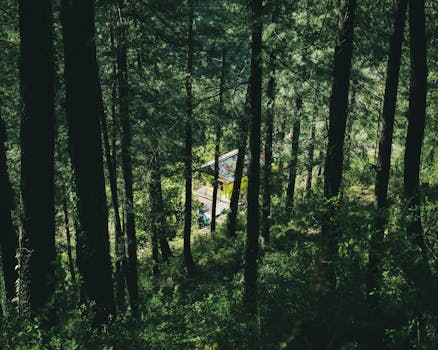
204,310
207,309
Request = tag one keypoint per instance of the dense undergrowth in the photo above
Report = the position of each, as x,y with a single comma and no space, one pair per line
204,311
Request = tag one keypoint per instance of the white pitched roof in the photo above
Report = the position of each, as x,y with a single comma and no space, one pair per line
227,166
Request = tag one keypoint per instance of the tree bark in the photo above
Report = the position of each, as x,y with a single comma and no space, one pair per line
119,239
349,128
310,157
267,170
384,156
154,238
188,259
238,173
336,134
252,238
417,268
114,94
8,232
217,145
290,192
37,150
83,117
158,219
124,100
321,165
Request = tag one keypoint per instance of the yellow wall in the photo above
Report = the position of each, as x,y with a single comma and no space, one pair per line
227,189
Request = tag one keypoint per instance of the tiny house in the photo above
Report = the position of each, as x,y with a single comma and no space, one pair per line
227,167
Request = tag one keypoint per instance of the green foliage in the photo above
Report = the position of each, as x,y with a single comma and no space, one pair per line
205,311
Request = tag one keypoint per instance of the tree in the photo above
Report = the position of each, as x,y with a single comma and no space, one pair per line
252,234
188,259
85,147
119,239
418,268
158,219
304,76
310,156
217,145
122,78
349,143
270,113
37,152
336,135
8,236
290,192
385,144
238,172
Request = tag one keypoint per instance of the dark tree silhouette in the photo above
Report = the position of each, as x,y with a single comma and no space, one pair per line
158,219
417,268
252,235
37,151
188,258
238,173
83,117
269,130
290,192
126,138
119,239
310,157
385,144
8,232
217,144
336,135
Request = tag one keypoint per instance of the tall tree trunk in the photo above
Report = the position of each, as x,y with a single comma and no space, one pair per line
325,284
188,259
336,135
83,117
311,146
218,140
114,94
267,170
71,264
384,156
418,269
166,253
310,157
119,239
154,238
158,219
238,173
290,192
321,165
252,237
8,232
37,149
349,128
131,275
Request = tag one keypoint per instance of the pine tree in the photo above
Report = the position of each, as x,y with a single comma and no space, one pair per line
126,141
252,234
188,258
37,152
8,232
385,144
83,117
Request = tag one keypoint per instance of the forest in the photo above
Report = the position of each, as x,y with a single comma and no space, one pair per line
218,174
